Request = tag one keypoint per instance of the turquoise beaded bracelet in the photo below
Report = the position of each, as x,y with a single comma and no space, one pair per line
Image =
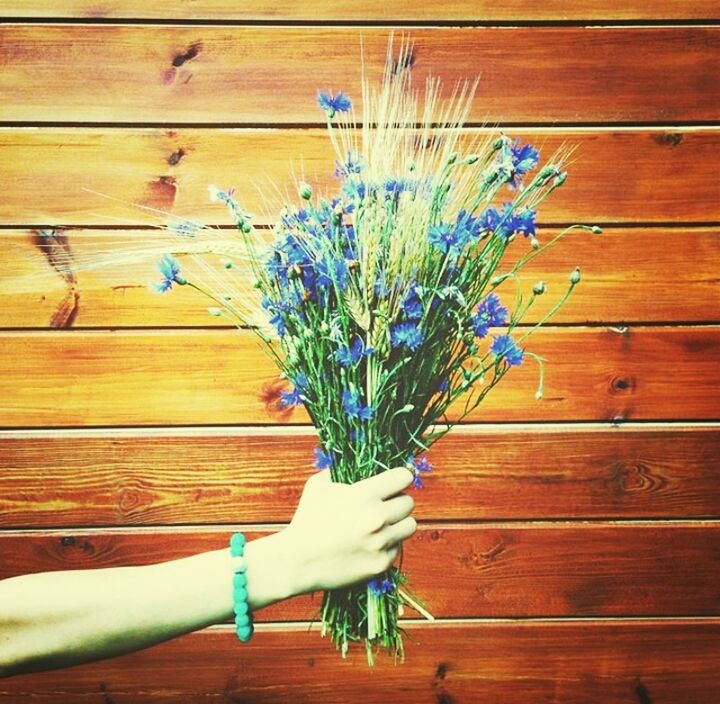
243,619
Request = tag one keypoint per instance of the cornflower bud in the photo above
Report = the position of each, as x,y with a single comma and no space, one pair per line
305,190
596,230
559,180
539,288
215,312
490,177
471,159
452,158
534,243
575,276
503,139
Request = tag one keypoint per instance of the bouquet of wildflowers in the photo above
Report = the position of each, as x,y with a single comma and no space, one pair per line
378,302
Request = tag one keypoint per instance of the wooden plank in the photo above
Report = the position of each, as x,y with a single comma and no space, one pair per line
494,570
367,10
88,378
189,74
200,476
169,170
621,282
564,662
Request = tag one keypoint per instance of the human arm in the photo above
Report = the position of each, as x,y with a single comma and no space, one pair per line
339,535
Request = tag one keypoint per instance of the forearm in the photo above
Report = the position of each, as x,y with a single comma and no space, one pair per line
58,619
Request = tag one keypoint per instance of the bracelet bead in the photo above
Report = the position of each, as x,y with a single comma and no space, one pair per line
244,633
241,608
237,543
240,595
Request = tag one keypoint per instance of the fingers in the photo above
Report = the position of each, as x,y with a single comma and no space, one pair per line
396,533
398,508
386,484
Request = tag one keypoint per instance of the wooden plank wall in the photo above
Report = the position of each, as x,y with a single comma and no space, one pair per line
569,547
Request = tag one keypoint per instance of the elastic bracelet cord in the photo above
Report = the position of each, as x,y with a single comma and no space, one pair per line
241,607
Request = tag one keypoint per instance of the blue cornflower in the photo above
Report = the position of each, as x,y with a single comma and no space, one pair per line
352,406
515,161
412,305
394,186
490,313
503,346
291,398
524,158
332,272
448,239
407,333
444,385
502,224
353,165
351,355
293,219
347,207
355,190
419,464
333,103
468,225
170,270
323,459
382,289
295,397
525,222
278,310
379,587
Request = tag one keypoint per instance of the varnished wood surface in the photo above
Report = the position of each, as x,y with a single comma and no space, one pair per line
121,477
366,10
260,74
89,378
571,662
620,283
614,176
458,571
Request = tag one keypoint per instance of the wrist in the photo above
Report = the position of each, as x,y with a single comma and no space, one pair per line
274,571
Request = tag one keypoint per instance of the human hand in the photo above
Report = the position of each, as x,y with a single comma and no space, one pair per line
344,533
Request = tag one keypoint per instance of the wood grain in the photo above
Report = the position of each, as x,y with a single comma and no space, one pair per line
567,662
613,177
259,74
366,10
200,476
621,283
458,571
89,378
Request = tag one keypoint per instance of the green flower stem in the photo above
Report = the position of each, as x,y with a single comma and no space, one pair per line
535,252
549,314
